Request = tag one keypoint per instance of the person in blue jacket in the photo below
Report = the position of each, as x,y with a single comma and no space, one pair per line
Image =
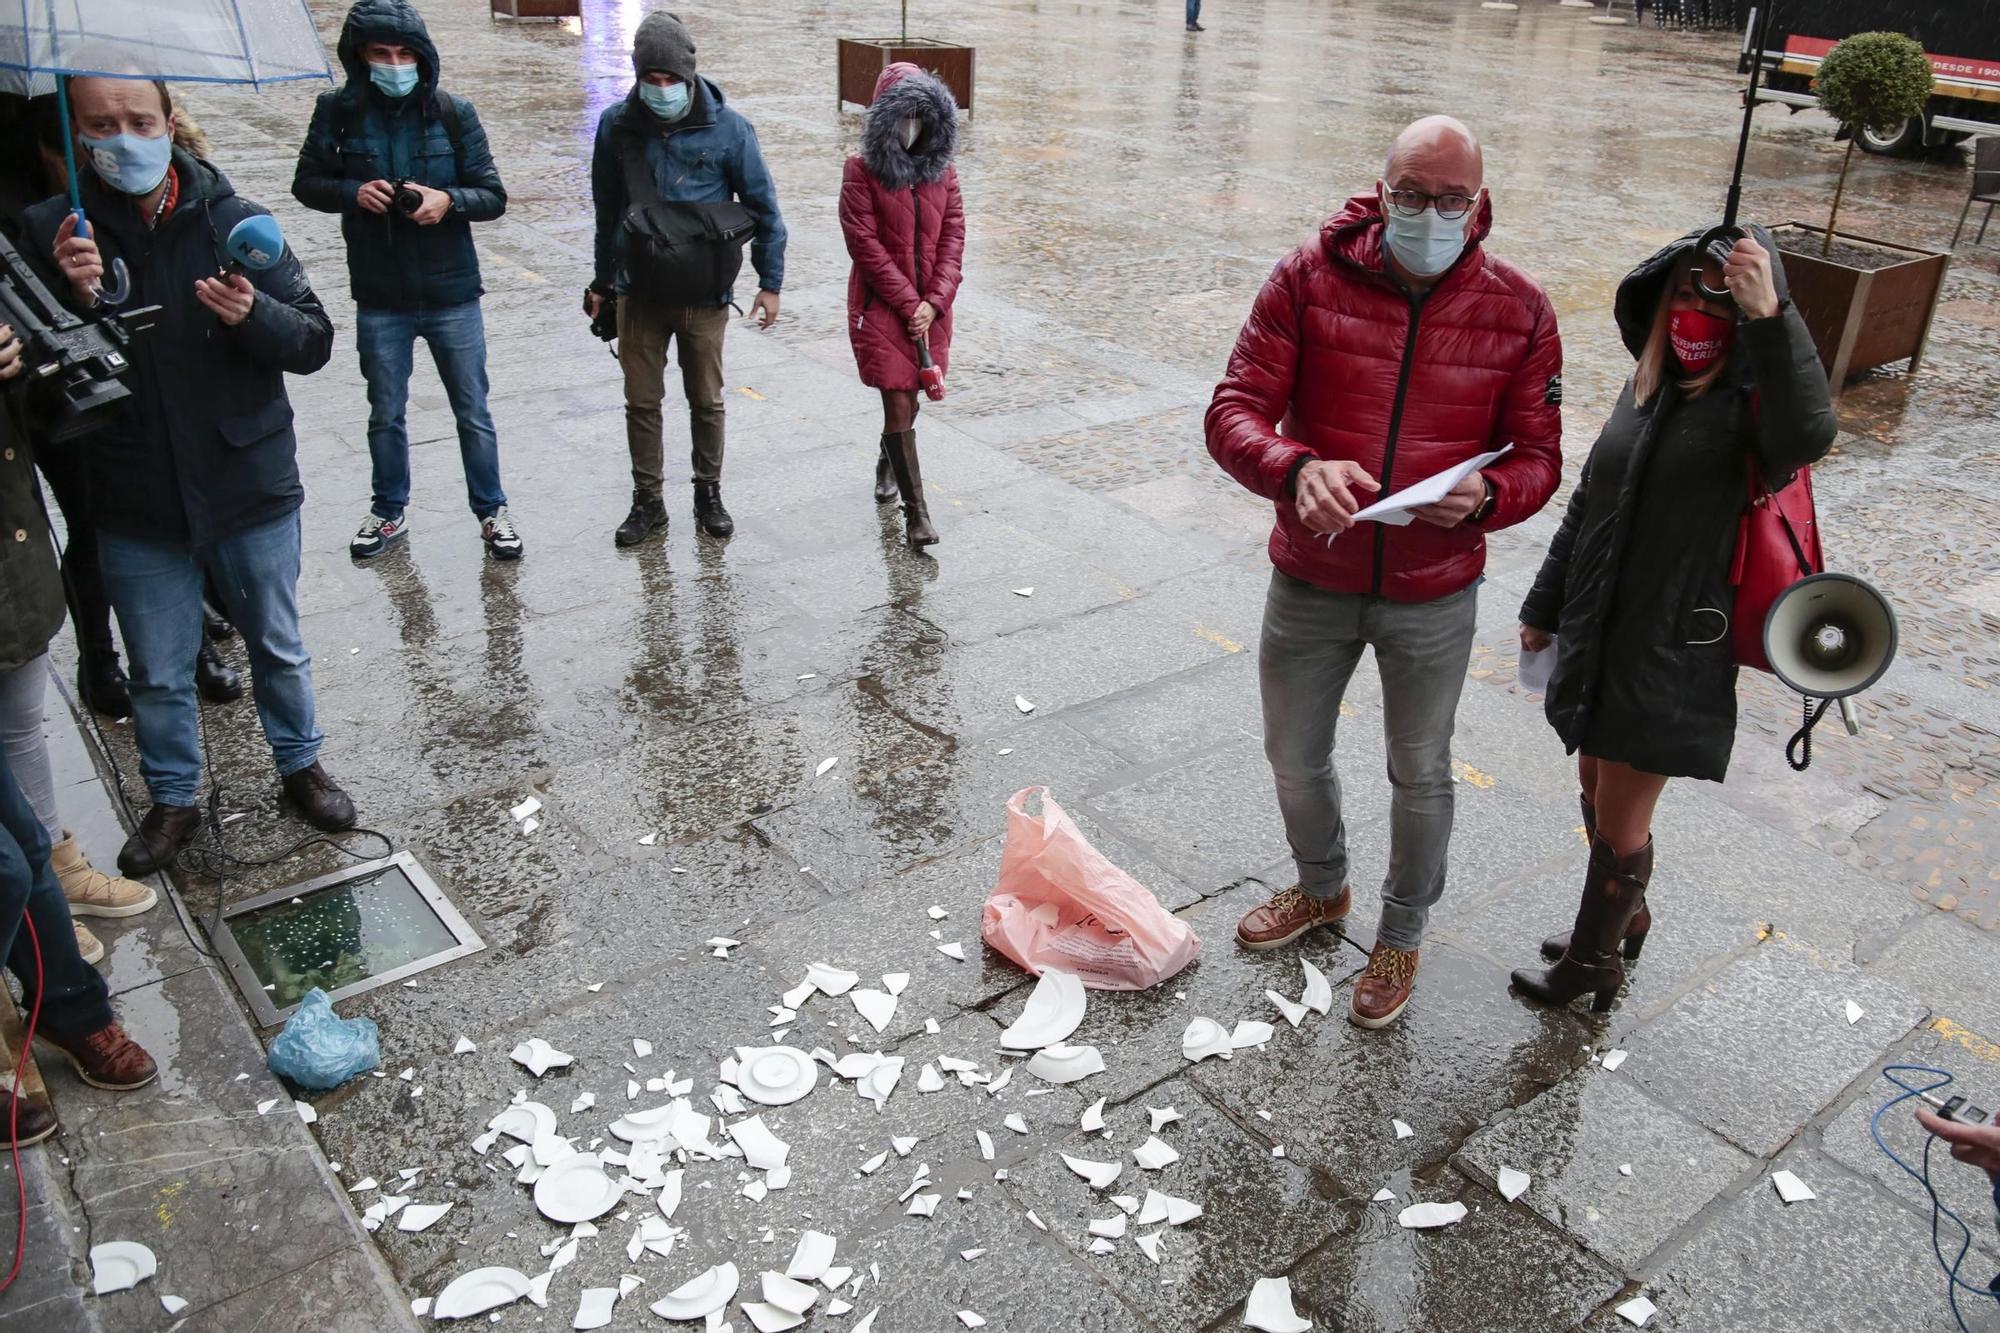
406,166
696,149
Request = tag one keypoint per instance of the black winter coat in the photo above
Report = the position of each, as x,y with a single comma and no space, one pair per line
1636,584
358,135
31,594
204,447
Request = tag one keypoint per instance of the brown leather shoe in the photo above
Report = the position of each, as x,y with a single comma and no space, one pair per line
161,834
314,794
1288,914
35,1123
107,1058
1384,987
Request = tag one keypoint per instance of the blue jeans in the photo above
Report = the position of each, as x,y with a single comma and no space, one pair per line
155,588
75,1000
457,338
1193,12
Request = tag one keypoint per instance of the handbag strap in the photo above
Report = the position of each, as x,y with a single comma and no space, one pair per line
640,187
917,239
1762,495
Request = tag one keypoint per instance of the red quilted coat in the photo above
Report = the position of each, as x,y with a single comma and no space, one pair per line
1337,362
894,202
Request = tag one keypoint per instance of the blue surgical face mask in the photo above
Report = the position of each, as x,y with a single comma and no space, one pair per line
669,103
394,80
1425,245
130,163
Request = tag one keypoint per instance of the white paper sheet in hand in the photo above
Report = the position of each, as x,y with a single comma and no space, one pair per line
1536,668
1395,509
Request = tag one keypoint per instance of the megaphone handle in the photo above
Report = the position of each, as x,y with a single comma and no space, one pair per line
1798,750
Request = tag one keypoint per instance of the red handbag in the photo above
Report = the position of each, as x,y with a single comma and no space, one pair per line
1777,544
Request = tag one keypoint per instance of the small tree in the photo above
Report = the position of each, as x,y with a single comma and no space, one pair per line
1872,80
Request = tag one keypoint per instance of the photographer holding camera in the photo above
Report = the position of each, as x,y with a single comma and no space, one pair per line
197,471
406,166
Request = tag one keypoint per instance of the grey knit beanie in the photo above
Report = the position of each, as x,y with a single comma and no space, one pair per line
662,43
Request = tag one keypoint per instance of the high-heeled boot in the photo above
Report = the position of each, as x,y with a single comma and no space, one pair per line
885,476
1635,931
902,448
1613,887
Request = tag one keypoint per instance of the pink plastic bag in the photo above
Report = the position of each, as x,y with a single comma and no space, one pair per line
1059,903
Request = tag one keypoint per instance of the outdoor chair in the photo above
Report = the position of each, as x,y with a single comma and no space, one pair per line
1985,185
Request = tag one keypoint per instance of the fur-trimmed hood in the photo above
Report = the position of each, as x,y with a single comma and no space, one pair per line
905,90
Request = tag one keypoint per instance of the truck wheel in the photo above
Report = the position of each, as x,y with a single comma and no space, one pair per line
1905,139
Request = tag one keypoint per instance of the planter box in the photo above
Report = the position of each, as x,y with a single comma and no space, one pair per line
1861,319
862,60
538,9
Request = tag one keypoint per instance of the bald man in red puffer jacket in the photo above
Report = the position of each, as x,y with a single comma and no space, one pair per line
1389,348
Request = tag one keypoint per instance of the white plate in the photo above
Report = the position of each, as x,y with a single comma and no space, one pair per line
576,1189
645,1126
1053,1011
120,1265
776,1075
700,1297
480,1290
526,1121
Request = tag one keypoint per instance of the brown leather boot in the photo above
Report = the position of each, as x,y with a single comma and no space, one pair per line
31,1123
1383,987
902,448
1636,930
106,1058
1613,888
314,794
885,476
1288,914
161,834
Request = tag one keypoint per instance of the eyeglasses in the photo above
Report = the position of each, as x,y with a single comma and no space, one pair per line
1449,206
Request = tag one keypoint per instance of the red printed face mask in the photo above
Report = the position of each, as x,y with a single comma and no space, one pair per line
1698,338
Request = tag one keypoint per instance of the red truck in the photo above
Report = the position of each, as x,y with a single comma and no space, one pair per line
1962,38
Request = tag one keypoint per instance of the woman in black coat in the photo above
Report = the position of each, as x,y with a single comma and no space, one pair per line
1636,588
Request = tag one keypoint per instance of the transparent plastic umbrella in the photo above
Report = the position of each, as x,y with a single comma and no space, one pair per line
251,42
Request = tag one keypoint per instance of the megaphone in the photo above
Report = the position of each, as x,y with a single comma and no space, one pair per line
255,244
1828,636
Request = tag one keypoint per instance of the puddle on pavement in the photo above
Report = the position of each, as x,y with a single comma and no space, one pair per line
339,936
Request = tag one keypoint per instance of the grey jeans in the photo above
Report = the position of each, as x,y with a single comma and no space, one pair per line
1312,642
21,694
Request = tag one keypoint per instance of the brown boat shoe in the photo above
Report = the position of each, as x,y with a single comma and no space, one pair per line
1383,987
1288,914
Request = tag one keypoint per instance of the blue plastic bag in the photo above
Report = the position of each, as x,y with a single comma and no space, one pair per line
320,1049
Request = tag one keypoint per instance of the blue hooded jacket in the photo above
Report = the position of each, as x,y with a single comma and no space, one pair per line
359,135
710,155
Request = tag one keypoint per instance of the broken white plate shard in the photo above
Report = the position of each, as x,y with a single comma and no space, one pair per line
584,1101
1166,1208
1016,1123
643,1126
768,1318
788,1294
878,1007
642,1048
627,1284
1513,1184
970,1319
306,1111
1318,995
1250,1032
1419,1216
576,1189
1099,1174
670,1194
778,1177
1024,592
985,1144
924,1205
1624,1168
465,1047
993,1088
1093,1119
929,1080
1155,1154
812,1257
1637,1311
480,1290
1294,1012
903,1145
360,1185
775,1075
830,980
874,1164
1162,1116
953,950
1790,1188
593,1307
824,765
528,807
858,1065
970,1255
1102,1246
527,826
1110,1227
797,996
649,840
1150,1244
1204,1037
1126,1201
834,1279
264,1107
1270,1308
1613,1059
699,1297
762,1149
1038,1223
1384,1195
895,982
1066,1064
418,1216
937,912
176,1304
538,1057
880,1081
1023,704
120,1265
1403,1131
1854,1012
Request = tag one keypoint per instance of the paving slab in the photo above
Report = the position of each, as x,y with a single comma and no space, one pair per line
1952,965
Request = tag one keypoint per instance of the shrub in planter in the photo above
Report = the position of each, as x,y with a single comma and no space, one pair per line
1872,80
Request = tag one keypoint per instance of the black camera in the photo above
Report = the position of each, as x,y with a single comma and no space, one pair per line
407,198
70,366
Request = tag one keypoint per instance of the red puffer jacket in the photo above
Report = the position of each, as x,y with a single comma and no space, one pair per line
895,201
1353,369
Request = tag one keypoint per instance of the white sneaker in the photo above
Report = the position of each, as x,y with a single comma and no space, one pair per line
499,535
377,535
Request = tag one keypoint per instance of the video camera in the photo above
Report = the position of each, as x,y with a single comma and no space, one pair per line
70,366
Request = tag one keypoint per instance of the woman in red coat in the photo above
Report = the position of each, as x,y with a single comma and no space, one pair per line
905,227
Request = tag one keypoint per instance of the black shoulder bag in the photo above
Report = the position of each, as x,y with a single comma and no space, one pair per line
678,253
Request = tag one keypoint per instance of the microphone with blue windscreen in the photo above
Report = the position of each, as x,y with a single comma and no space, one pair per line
255,244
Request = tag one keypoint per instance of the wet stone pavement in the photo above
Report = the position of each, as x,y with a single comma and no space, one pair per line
1127,187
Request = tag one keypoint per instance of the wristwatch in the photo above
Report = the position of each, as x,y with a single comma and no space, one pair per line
1485,510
